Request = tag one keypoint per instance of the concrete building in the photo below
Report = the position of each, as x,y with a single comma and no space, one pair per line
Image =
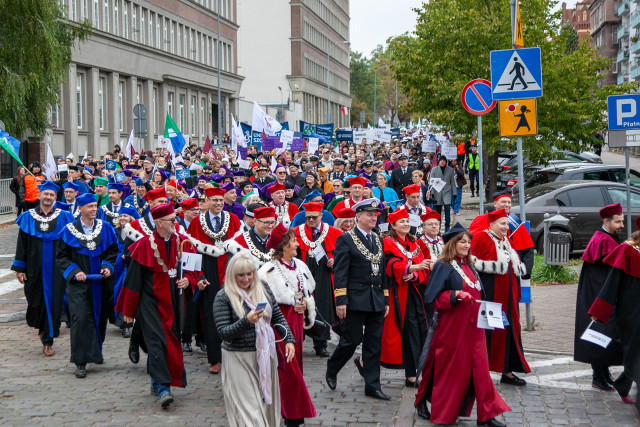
286,52
579,19
607,33
160,53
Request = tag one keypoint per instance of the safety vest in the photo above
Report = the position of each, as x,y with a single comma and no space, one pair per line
461,149
474,163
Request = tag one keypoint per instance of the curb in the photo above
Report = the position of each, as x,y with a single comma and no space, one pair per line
13,317
5,220
548,352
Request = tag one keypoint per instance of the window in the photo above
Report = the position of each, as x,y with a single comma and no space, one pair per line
116,17
150,28
585,16
125,20
619,195
191,47
619,176
159,45
101,87
202,118
96,14
193,116
73,6
182,98
178,40
134,23
594,176
84,13
170,104
165,32
106,15
139,94
79,95
586,197
55,114
121,104
172,40
143,29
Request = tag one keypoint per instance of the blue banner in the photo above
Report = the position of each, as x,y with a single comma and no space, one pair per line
182,173
246,130
344,135
395,133
110,165
326,130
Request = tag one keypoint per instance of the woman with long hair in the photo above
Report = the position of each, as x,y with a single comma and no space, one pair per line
345,219
406,328
311,183
249,364
292,284
15,185
458,350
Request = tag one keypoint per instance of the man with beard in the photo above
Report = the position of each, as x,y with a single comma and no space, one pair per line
38,240
592,276
138,199
87,261
285,210
317,241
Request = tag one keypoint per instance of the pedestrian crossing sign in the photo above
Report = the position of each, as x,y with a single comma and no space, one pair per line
518,117
516,73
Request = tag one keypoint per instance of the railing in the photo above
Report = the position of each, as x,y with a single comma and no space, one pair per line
635,46
623,9
623,32
622,78
635,19
622,57
635,70
7,198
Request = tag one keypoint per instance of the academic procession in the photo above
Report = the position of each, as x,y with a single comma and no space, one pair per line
242,251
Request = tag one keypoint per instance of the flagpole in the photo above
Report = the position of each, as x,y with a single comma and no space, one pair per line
218,63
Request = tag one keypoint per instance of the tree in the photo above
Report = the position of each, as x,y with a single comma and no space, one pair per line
35,50
451,46
361,86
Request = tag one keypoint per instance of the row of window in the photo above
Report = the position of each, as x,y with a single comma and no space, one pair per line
322,10
322,42
318,72
81,96
128,20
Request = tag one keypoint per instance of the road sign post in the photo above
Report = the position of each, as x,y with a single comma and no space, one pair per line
518,117
476,99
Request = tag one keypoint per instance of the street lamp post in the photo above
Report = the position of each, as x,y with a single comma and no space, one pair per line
331,46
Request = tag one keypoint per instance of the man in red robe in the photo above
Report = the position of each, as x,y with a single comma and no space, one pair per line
592,276
415,208
255,239
285,211
317,241
357,193
211,229
151,289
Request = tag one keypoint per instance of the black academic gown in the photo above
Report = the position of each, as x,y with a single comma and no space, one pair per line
91,302
44,286
592,277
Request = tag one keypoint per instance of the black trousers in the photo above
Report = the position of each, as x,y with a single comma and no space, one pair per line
211,337
411,341
352,336
474,184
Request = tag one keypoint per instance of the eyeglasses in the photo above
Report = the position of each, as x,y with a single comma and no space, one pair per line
267,223
174,219
314,217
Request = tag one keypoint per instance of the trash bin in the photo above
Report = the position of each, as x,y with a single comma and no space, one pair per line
558,247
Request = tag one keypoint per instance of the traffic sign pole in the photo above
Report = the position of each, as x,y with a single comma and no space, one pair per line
481,171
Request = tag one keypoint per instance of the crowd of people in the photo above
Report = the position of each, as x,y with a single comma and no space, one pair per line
251,261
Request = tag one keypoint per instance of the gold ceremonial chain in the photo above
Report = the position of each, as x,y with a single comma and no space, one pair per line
465,278
172,272
144,227
138,208
87,238
405,252
283,212
112,214
435,249
264,257
318,242
497,240
44,222
288,284
216,238
374,259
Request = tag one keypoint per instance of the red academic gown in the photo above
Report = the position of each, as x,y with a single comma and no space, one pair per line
293,209
501,285
323,275
149,289
456,371
405,328
426,251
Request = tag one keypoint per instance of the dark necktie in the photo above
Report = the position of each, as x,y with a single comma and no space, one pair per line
370,239
381,194
216,225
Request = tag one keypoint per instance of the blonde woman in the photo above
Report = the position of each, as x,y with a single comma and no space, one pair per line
249,364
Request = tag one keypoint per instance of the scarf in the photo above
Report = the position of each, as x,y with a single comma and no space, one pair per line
265,338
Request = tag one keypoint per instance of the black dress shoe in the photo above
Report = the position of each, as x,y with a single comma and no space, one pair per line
377,394
423,411
331,381
81,371
126,333
410,383
601,384
512,380
359,366
203,347
607,376
186,346
322,352
134,353
491,423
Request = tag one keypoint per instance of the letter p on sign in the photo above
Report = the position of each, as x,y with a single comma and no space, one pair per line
621,114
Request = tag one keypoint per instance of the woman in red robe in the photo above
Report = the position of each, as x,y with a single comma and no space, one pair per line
456,370
292,284
499,265
406,328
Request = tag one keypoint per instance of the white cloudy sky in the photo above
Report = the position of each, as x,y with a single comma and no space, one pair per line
374,21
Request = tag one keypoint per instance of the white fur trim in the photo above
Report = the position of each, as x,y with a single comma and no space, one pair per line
131,233
501,265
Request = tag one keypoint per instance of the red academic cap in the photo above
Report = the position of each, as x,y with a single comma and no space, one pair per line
410,189
189,204
264,212
357,181
175,185
214,191
397,215
500,196
344,213
276,187
276,236
163,210
430,215
610,210
155,194
313,207
496,215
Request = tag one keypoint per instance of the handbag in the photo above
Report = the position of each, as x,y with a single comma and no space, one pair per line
319,327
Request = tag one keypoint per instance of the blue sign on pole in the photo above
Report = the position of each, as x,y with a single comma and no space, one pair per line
476,97
516,74
624,112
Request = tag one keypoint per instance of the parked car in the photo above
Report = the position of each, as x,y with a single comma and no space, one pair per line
508,178
580,171
508,161
578,201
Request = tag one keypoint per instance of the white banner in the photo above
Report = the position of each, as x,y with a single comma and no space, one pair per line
358,136
429,146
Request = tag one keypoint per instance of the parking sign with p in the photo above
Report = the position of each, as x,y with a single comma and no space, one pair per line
624,112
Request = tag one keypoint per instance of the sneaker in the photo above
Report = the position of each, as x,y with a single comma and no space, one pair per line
166,399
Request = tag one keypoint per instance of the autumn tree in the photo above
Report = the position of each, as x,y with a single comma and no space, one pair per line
35,50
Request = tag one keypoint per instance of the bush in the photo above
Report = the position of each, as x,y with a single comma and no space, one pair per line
551,274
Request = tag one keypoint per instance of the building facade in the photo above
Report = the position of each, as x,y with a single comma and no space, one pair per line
607,34
579,19
295,58
159,53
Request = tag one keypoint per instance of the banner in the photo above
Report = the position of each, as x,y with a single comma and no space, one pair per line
246,129
297,144
395,133
270,143
182,173
358,136
344,135
325,131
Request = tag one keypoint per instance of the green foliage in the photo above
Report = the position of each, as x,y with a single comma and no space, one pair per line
361,87
571,36
35,49
451,46
551,274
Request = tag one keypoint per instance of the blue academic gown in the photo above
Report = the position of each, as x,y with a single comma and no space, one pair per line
130,200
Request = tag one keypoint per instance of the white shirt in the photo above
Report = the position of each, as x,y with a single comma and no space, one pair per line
87,229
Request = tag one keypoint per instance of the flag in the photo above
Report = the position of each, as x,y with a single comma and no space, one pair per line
130,150
85,156
238,138
262,122
411,124
10,145
520,236
172,132
50,167
71,156
345,111
381,123
208,148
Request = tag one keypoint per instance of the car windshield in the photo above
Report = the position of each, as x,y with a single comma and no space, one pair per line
542,177
532,193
